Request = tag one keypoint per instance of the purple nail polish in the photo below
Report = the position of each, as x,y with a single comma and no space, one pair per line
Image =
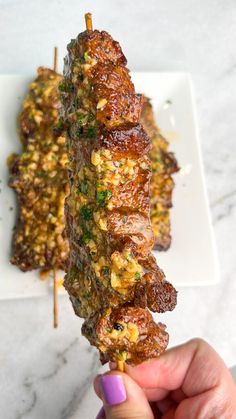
101,414
113,389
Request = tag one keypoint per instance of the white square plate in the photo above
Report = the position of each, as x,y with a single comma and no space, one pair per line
191,259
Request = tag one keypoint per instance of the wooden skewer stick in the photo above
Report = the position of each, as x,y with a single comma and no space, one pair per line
55,61
88,21
55,285
120,366
55,299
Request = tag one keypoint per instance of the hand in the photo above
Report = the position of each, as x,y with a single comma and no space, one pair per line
190,381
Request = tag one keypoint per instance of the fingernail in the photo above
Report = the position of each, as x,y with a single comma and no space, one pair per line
101,414
113,389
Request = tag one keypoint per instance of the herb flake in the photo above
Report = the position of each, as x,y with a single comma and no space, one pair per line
86,56
102,197
83,187
92,132
73,272
137,276
86,212
87,236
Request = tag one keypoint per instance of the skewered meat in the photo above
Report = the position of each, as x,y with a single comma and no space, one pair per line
39,115
163,165
112,277
39,177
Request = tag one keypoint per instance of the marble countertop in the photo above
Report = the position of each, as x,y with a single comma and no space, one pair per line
46,373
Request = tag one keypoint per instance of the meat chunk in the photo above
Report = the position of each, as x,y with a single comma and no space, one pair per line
112,278
128,334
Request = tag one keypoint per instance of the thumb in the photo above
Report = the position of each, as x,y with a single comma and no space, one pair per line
122,397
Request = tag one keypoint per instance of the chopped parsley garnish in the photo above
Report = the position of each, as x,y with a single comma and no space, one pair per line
65,86
92,132
91,117
81,118
41,173
83,187
61,87
129,256
86,294
122,355
87,236
124,218
86,56
86,212
137,276
59,124
102,196
73,272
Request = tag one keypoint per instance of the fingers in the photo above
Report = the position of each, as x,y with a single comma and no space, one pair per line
214,403
194,367
122,397
154,394
187,381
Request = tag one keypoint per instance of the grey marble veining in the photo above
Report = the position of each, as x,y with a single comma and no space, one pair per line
46,373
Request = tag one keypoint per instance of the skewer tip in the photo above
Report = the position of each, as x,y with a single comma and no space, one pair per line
55,299
55,61
120,366
88,21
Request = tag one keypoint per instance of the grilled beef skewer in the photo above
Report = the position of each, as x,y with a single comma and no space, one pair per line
39,177
112,277
163,164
